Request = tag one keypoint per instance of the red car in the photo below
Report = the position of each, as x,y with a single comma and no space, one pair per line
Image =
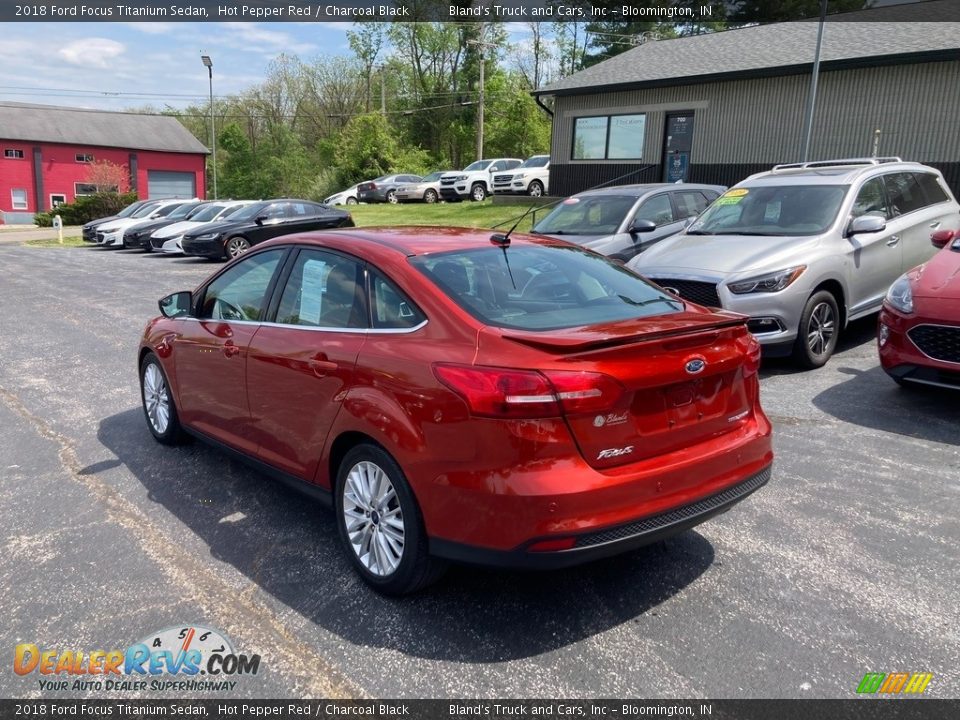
919,330
522,403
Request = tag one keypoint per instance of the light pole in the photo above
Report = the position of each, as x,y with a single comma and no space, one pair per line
208,63
812,98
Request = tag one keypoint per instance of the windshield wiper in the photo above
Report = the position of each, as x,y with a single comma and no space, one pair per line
651,301
699,232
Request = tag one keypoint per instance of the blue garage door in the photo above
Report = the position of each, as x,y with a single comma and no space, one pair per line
168,184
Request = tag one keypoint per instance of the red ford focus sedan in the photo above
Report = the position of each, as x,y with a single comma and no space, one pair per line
518,402
919,330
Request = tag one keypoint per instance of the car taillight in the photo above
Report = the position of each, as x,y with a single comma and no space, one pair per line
513,393
754,352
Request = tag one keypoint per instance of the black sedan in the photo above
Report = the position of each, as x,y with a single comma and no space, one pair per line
259,222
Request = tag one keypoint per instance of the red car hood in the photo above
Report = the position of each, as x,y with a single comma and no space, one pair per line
940,277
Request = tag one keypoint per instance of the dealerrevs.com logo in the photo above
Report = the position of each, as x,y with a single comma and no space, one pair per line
187,658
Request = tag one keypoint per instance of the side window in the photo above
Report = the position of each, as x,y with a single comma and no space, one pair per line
931,188
240,292
300,210
903,193
276,211
323,290
391,309
870,200
690,204
657,209
511,164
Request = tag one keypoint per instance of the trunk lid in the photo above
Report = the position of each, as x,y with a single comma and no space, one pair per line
684,380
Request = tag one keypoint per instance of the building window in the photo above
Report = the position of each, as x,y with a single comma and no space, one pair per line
81,189
15,154
84,158
57,199
19,197
609,137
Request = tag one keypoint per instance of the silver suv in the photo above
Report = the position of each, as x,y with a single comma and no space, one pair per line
805,248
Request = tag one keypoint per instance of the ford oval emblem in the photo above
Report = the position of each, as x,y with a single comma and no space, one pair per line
696,365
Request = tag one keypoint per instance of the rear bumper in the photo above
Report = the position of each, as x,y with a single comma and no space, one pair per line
609,541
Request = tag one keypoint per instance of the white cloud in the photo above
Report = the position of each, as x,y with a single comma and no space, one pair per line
92,52
256,37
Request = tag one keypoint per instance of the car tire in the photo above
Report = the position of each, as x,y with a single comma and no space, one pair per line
430,197
535,189
235,246
350,201
371,488
392,197
158,405
478,193
818,331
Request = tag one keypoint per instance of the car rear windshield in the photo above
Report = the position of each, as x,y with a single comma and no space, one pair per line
776,211
541,287
587,215
535,162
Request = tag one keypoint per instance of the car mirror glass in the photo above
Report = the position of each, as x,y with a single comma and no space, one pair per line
176,304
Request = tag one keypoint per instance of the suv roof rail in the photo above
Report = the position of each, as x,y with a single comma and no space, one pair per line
836,163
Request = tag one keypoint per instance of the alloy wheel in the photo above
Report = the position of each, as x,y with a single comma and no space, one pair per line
237,246
373,518
392,197
156,398
820,329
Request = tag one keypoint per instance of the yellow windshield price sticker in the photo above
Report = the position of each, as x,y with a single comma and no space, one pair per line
731,197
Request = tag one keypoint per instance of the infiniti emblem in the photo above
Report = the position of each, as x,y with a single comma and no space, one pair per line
695,366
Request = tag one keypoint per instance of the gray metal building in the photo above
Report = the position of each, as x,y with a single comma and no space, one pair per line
717,107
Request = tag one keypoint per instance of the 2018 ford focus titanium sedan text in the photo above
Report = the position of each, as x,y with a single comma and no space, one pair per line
524,404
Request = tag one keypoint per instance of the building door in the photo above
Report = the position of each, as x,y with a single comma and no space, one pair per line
168,184
677,143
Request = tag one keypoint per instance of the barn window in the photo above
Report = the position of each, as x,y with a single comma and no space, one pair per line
12,153
19,198
84,158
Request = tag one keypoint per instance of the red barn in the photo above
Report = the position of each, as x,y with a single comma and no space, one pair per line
48,155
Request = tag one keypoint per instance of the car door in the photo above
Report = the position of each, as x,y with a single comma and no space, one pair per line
659,210
907,200
316,217
270,223
302,362
873,259
210,355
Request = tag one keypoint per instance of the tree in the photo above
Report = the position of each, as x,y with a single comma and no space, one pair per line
366,41
106,176
367,148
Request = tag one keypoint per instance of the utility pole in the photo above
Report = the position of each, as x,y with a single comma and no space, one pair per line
480,100
383,91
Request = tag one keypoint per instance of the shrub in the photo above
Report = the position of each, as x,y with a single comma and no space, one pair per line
87,208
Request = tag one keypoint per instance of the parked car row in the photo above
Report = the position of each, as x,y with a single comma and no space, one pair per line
477,181
216,229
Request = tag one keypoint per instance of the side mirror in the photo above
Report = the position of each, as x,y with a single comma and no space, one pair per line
177,304
940,238
867,224
260,219
642,226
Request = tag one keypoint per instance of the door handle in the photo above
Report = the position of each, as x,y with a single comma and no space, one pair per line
894,239
229,349
321,365
935,225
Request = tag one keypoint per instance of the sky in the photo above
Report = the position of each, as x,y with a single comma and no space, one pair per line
114,66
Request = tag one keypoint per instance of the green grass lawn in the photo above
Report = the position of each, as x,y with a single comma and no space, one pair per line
464,214
70,241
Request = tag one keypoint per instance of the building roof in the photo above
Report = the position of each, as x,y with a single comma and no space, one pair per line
775,49
99,128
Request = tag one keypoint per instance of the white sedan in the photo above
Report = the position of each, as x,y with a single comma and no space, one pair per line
167,239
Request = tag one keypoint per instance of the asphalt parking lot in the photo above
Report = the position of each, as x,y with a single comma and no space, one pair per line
845,563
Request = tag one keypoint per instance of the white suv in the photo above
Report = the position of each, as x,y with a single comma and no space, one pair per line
531,178
806,248
475,180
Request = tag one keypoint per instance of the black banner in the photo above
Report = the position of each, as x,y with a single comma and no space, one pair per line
854,709
676,11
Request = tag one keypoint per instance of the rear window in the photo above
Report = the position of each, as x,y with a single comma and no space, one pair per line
931,188
543,287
